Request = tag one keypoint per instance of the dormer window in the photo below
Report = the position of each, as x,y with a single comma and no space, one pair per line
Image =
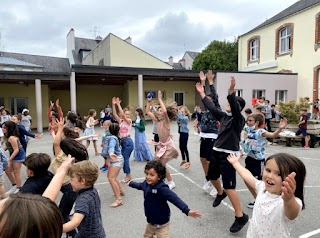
84,53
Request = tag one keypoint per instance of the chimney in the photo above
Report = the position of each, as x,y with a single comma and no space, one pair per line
129,40
70,40
171,60
98,38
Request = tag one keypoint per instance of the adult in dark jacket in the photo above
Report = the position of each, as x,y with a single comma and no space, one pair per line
156,197
231,125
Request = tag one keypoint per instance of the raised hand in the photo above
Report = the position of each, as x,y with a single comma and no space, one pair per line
199,88
210,76
60,123
51,104
66,165
232,84
283,123
57,103
159,95
194,214
289,187
118,101
202,76
232,158
114,100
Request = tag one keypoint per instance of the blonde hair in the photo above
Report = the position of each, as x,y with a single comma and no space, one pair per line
107,123
86,170
188,114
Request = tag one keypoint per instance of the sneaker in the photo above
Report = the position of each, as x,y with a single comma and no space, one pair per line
16,191
239,223
219,199
213,192
104,169
207,186
171,185
12,190
251,204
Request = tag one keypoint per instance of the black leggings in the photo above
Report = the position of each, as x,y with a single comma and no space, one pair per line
183,142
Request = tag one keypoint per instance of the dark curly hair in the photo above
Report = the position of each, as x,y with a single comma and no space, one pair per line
75,149
158,167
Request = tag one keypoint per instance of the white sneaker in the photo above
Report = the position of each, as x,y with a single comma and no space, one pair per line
171,185
12,190
207,185
213,192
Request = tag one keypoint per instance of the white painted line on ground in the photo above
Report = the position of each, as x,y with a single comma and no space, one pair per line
309,234
193,182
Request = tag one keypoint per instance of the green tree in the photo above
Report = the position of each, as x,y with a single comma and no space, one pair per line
218,55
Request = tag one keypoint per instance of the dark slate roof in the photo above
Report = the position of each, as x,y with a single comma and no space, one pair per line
49,64
293,9
83,44
178,66
192,54
15,62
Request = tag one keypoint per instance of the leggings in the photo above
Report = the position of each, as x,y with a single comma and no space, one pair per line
183,142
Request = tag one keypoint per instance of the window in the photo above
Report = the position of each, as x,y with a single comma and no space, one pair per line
258,93
317,33
18,104
281,95
1,101
284,40
155,94
254,50
238,92
179,98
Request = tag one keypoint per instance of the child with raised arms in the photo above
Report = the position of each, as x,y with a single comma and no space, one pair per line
156,195
166,149
279,195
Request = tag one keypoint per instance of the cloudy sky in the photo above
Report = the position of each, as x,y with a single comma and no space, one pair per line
162,28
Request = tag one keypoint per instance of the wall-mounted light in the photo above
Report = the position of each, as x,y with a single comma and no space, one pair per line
171,79
103,79
20,82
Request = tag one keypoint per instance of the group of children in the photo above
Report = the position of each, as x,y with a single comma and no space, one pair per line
277,188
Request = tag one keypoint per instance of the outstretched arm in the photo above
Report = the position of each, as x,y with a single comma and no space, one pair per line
58,136
59,109
282,124
149,113
291,206
163,107
121,112
50,110
211,77
114,111
244,173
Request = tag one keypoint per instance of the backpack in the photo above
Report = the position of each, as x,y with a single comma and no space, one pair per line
209,123
105,145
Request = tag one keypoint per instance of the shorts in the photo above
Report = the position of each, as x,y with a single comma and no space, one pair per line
255,166
20,157
158,230
1,180
206,146
219,165
301,131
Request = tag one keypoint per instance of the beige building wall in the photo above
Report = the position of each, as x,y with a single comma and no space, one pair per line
100,55
169,88
303,59
247,82
96,97
17,90
127,55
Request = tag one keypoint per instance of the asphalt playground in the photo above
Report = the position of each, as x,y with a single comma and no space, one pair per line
128,221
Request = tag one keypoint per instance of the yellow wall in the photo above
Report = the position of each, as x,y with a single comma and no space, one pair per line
127,55
17,90
101,51
168,87
96,97
304,57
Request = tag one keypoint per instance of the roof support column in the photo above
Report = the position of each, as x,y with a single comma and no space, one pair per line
140,90
73,94
38,105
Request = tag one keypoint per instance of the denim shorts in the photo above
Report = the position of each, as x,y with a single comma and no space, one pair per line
20,157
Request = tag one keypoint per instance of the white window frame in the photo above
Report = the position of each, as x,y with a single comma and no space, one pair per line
15,108
254,44
278,97
257,93
285,38
238,92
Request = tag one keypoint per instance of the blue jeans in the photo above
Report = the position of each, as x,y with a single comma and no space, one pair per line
126,150
66,203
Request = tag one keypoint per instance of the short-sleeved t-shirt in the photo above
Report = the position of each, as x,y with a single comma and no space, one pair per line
255,144
305,119
26,121
268,218
88,203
